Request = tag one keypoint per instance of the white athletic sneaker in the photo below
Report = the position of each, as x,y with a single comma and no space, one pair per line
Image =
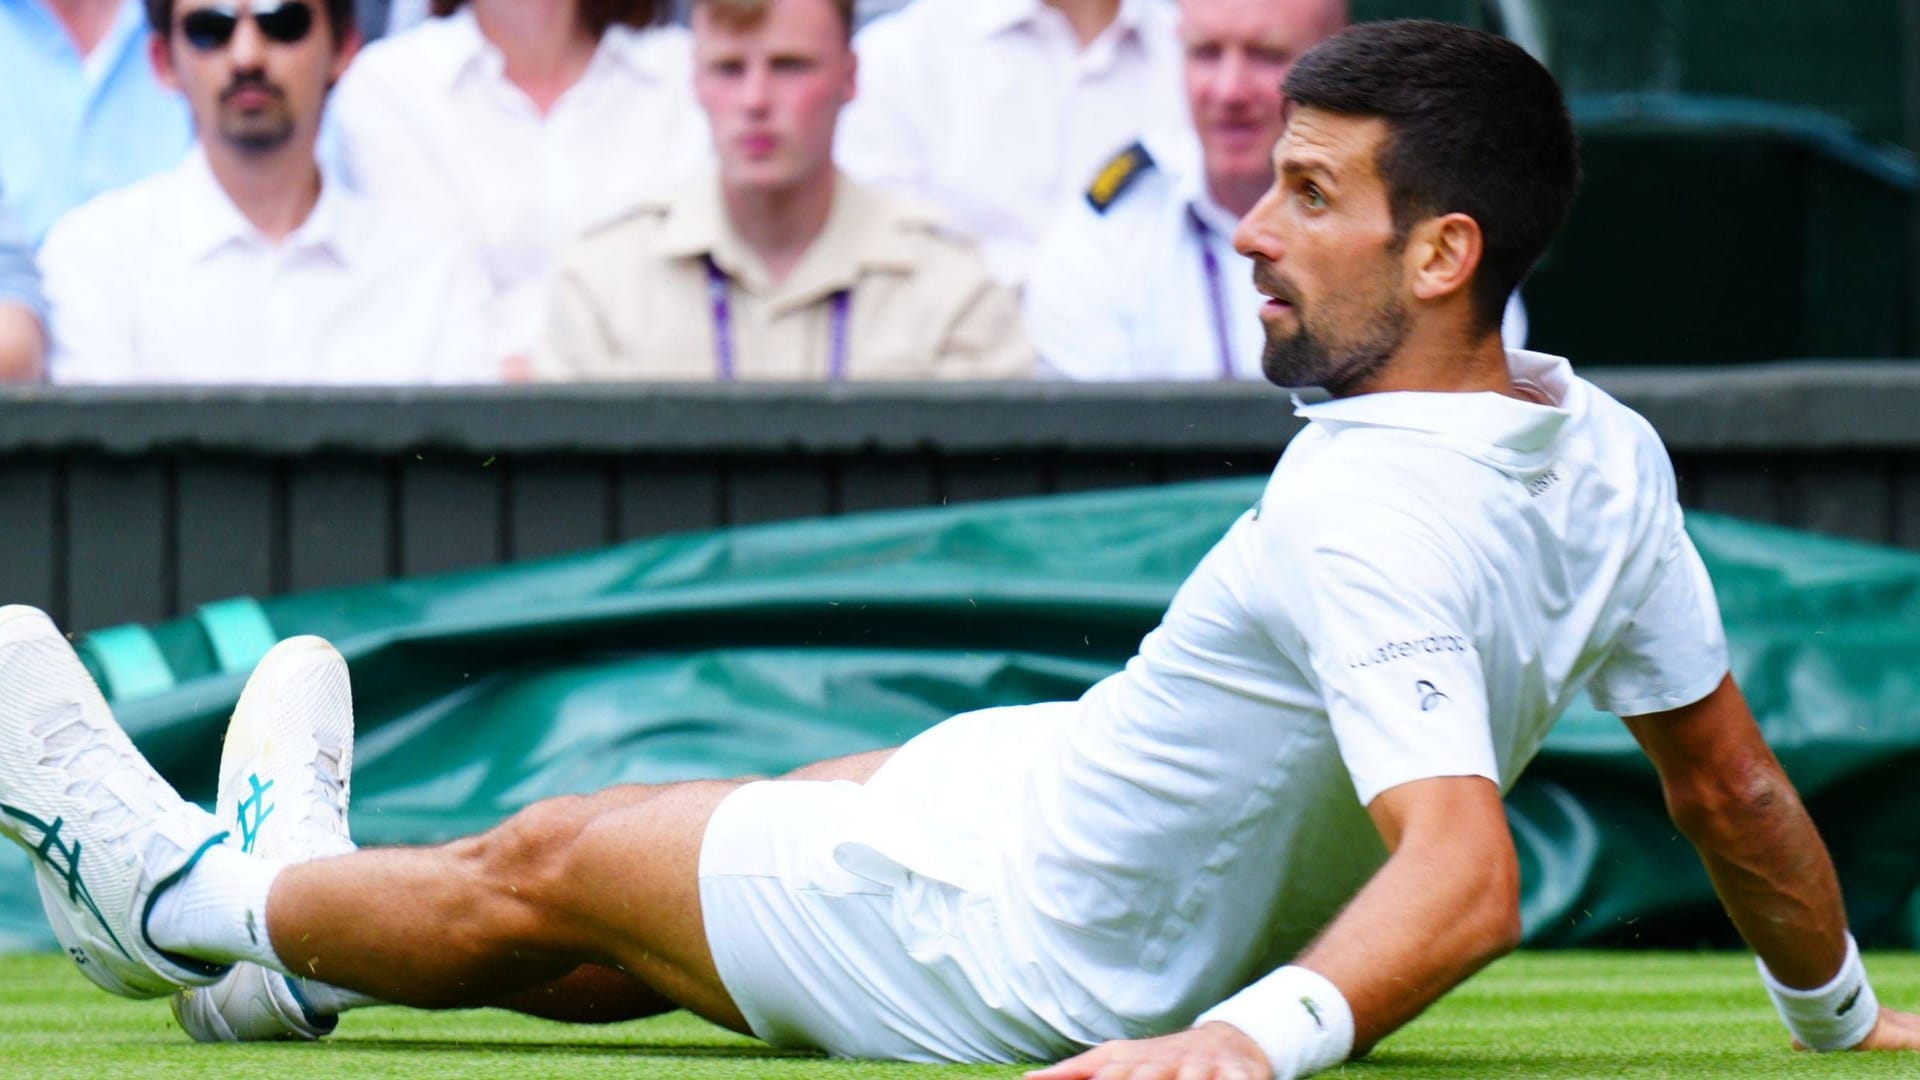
285,774
107,833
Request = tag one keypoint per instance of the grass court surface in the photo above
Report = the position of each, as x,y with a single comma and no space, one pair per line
1603,1015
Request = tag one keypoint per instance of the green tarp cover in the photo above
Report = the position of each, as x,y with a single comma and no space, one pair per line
755,650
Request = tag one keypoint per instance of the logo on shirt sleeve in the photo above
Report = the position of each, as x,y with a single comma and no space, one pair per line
1431,696
1400,650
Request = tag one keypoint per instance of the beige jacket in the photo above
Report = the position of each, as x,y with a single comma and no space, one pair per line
633,299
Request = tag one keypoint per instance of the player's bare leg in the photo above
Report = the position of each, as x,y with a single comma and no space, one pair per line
610,880
589,994
594,994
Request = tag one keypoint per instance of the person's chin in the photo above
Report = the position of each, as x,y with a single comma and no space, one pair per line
257,135
760,175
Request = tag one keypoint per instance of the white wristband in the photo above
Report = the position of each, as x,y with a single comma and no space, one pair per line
1300,1019
1831,1017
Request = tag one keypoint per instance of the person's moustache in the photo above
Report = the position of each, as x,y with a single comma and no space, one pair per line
251,80
1272,284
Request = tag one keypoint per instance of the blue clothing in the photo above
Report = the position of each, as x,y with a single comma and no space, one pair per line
19,277
68,134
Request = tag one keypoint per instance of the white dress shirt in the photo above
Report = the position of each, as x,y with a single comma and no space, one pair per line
1428,582
991,111
166,282
429,116
1129,293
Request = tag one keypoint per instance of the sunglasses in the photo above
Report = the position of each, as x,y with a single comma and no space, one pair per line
210,28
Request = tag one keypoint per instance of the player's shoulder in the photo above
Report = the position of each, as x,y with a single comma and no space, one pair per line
1346,496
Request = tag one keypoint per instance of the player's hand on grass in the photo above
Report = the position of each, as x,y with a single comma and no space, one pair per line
1208,1052
1895,1031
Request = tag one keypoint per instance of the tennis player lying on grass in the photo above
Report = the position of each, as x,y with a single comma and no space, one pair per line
1272,839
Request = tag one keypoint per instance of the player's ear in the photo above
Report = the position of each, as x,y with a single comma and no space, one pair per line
1442,254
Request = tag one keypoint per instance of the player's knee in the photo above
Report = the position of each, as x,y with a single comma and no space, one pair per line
523,866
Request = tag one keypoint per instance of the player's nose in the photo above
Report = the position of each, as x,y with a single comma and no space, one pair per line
1257,235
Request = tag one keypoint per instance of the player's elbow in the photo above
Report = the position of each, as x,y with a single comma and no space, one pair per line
1486,912
1499,927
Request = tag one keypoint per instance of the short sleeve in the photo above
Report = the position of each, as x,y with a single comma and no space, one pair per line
1674,650
1388,630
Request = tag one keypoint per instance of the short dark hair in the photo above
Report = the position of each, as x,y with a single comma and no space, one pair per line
340,18
598,15
1474,126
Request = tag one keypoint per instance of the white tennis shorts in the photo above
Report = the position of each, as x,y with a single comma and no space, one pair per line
879,964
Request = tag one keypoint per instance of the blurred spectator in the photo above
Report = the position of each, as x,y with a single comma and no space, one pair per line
782,268
246,263
23,312
999,111
531,119
82,110
1139,279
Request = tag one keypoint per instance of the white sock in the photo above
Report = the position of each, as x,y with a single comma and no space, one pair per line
218,912
331,1000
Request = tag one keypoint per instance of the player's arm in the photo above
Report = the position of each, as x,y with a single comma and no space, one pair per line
1444,905
1728,795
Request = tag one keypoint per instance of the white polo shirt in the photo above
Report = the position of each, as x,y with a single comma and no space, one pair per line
991,111
166,282
428,116
1426,585
1149,287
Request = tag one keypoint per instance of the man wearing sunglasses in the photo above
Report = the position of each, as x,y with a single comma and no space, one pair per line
247,263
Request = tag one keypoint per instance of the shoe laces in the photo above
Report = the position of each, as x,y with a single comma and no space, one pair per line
329,810
104,773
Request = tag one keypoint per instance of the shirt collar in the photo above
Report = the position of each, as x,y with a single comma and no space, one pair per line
209,221
990,17
127,32
696,226
1494,420
469,53
860,234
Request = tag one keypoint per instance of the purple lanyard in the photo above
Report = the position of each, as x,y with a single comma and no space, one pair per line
1216,295
719,291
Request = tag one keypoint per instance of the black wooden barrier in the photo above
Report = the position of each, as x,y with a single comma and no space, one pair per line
134,505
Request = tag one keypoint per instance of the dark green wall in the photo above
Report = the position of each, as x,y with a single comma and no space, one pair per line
137,505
